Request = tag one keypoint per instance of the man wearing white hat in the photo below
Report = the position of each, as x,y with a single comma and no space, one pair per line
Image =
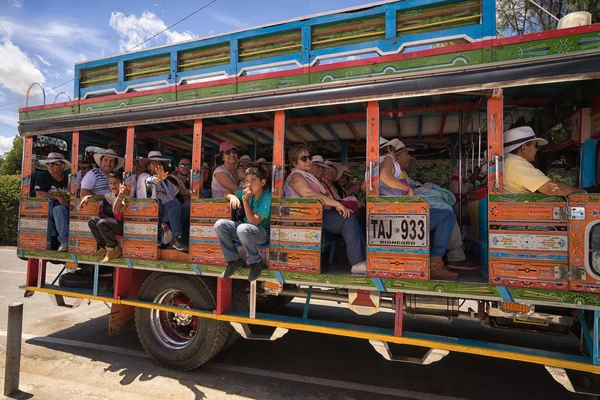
95,182
54,185
520,176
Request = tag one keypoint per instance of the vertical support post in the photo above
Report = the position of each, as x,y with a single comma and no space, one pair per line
96,270
399,314
420,133
196,184
27,167
307,303
390,24
495,115
33,265
252,299
233,57
306,45
278,155
344,158
224,293
74,182
174,67
129,157
121,74
373,148
488,19
12,369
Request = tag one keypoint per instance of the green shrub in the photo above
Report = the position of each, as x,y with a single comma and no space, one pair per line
10,190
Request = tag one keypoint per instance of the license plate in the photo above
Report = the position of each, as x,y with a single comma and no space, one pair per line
403,230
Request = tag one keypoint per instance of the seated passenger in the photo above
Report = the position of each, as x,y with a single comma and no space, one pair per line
105,229
180,177
254,230
95,182
153,184
242,164
266,166
520,176
54,185
441,220
341,221
455,253
225,179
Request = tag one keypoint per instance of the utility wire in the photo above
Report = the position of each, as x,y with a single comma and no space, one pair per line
134,47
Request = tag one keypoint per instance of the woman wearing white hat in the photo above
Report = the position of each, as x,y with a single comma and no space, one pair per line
95,182
54,185
520,176
152,184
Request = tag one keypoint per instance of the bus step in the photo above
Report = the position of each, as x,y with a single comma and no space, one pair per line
244,331
433,355
59,300
585,384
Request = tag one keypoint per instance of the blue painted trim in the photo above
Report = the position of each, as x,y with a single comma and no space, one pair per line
596,345
307,303
527,256
128,262
21,253
390,24
294,246
588,163
74,258
332,132
396,250
585,329
95,290
279,276
379,284
196,269
420,131
505,294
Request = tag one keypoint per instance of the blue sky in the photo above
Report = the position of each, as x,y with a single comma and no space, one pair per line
41,40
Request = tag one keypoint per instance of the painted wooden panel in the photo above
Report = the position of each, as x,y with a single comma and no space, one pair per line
34,224
81,240
295,243
396,260
582,250
528,241
204,245
140,229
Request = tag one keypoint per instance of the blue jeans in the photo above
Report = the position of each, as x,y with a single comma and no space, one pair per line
247,234
60,223
350,230
171,212
441,224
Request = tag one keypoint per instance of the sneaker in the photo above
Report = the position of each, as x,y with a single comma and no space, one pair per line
463,265
63,248
359,269
112,254
255,271
100,253
232,267
179,245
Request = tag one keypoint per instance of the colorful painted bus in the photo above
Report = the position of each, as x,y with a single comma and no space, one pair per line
432,74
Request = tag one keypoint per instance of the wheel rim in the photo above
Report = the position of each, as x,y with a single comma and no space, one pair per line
174,330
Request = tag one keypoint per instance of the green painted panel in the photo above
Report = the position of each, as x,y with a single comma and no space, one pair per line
127,103
273,83
547,47
439,62
205,92
525,198
49,113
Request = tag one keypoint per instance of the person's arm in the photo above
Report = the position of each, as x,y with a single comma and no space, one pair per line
87,186
387,176
233,200
552,188
253,217
225,180
119,205
300,185
50,196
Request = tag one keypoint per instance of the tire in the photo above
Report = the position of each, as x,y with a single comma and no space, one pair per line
173,340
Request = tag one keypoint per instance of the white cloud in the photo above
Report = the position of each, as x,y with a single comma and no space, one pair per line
17,3
46,63
9,118
6,144
234,22
17,71
2,97
134,30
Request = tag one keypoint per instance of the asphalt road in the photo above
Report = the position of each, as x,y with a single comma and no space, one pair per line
67,354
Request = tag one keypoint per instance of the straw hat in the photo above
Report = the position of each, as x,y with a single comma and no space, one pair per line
56,158
320,161
154,156
514,138
110,153
400,147
262,161
383,142
244,158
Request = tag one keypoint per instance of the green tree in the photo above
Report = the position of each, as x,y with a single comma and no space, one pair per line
517,17
11,161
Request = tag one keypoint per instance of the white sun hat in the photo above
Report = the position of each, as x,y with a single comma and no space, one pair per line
514,138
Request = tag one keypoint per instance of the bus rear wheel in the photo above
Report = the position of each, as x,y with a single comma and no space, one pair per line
178,340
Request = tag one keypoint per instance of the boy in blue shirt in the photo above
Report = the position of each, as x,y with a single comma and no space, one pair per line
255,200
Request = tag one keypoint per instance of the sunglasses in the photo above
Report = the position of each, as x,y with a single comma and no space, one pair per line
230,151
305,158
182,165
